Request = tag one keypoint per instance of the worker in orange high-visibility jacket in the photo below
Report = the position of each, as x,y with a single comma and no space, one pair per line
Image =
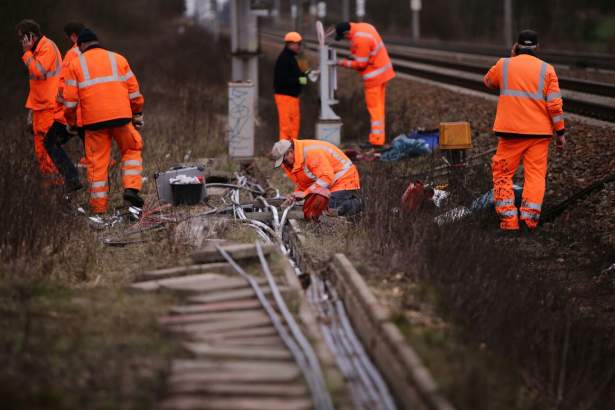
102,82
529,114
288,81
44,62
58,134
371,59
324,176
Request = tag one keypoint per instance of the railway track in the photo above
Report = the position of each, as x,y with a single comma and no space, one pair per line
588,98
233,320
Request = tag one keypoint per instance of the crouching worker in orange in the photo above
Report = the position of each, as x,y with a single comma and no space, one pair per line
324,177
101,82
529,114
288,79
370,59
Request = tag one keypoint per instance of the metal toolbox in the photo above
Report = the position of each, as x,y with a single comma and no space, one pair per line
163,185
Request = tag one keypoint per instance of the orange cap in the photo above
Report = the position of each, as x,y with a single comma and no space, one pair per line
293,37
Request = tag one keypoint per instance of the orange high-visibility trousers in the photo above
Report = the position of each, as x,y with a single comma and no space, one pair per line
374,100
510,151
98,155
41,122
289,116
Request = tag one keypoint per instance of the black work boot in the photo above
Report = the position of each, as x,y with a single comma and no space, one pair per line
132,196
525,230
72,185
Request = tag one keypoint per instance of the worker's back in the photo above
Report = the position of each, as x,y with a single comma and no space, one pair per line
367,47
316,160
530,102
106,86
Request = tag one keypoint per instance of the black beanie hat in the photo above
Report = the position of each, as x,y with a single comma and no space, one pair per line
340,29
86,35
527,38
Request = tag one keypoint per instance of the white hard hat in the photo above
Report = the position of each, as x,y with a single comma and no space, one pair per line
278,151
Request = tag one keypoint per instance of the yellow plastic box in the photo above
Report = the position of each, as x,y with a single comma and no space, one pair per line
455,135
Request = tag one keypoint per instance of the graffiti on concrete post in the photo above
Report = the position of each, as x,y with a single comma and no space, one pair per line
241,120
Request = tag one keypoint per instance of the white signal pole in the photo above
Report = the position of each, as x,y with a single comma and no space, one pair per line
360,10
415,7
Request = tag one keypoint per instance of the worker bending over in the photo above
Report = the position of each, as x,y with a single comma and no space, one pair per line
371,59
44,62
529,114
324,177
288,79
59,134
101,82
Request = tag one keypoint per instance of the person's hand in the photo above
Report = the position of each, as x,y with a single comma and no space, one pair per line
313,75
303,80
137,121
560,141
27,42
289,201
29,119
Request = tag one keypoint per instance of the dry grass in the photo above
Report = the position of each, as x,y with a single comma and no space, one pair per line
70,334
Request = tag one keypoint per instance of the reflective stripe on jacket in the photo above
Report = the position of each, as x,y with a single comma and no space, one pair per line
101,82
70,55
370,56
321,167
44,65
530,101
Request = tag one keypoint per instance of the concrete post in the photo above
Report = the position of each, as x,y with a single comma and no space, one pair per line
275,12
243,88
346,10
508,33
294,14
244,44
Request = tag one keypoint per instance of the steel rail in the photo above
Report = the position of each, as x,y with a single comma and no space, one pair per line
292,345
574,105
295,330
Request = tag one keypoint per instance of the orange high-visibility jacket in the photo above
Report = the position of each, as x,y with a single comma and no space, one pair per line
530,101
44,65
101,82
320,167
370,56
70,55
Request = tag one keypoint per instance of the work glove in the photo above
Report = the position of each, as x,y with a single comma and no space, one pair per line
29,119
303,80
313,75
560,141
314,206
137,121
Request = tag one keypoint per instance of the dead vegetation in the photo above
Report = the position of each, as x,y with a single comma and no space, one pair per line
70,335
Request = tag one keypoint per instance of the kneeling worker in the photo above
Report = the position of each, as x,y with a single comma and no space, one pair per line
324,176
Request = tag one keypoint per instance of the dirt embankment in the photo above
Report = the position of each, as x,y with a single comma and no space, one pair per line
540,306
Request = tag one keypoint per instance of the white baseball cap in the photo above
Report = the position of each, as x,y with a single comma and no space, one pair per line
278,151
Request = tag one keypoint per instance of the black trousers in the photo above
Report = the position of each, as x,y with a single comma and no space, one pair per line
54,139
